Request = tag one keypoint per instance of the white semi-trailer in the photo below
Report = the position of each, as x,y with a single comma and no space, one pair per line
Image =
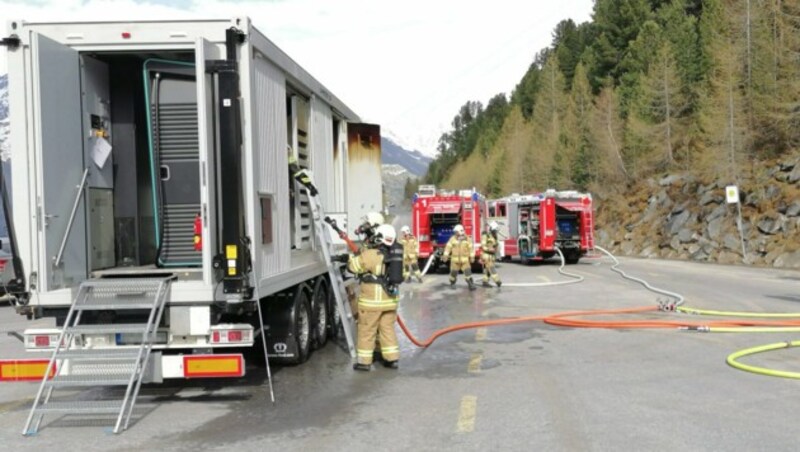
151,164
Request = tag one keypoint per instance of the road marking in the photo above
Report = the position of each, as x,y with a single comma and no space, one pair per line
544,278
480,334
466,415
474,366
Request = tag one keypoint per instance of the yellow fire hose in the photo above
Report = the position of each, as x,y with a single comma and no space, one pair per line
733,360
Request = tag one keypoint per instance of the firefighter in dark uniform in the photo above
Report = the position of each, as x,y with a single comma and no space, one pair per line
488,252
410,255
461,254
377,302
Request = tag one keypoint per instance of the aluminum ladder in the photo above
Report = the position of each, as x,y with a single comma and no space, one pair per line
335,273
82,358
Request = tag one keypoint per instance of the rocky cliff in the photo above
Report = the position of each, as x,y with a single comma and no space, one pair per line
683,217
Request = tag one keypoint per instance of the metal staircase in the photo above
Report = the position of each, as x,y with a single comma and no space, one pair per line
87,354
335,273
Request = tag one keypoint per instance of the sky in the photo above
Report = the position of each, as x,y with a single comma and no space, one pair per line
407,65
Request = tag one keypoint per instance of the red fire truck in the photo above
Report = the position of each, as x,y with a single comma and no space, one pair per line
435,213
533,226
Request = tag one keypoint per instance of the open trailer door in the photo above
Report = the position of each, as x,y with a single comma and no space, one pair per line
61,215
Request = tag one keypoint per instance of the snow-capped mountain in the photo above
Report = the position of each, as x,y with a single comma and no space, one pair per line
393,153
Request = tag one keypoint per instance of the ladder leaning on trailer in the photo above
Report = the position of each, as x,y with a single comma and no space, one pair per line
334,268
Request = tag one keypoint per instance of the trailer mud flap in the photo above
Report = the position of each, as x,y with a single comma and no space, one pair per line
278,325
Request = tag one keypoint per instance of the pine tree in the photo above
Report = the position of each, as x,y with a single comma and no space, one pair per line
539,168
722,105
659,106
577,154
607,132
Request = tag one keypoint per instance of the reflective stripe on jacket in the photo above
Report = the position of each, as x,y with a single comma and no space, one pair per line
410,247
372,297
459,249
488,244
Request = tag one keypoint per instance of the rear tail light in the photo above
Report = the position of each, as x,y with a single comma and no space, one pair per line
41,341
232,336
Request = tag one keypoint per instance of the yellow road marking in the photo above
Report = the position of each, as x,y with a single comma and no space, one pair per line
480,334
475,363
544,278
466,415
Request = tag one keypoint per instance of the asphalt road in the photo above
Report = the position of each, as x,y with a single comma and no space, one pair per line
522,387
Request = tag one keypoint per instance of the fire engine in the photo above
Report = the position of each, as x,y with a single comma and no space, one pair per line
436,212
532,226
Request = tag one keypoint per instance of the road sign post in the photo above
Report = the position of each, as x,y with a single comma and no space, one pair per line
731,197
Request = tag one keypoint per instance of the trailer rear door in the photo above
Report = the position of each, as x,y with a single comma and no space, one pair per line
58,129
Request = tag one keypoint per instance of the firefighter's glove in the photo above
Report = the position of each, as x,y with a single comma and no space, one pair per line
445,258
343,258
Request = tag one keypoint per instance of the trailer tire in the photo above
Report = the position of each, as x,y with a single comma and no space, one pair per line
320,308
301,328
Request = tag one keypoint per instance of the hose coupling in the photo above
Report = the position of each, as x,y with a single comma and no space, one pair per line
667,305
700,329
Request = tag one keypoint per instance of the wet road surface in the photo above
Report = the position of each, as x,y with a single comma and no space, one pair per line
521,387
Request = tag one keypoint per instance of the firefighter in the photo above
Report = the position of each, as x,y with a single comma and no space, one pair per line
377,302
368,226
488,252
300,174
463,255
410,254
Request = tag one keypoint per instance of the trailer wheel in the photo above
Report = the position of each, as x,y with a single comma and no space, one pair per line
320,309
302,327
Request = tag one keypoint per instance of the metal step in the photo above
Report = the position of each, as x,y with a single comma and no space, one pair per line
89,407
104,366
88,380
110,328
113,306
82,407
99,354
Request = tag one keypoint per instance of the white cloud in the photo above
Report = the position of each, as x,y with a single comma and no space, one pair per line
406,65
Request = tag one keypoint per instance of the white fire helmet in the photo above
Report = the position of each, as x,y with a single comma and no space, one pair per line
458,229
386,234
493,226
405,230
374,219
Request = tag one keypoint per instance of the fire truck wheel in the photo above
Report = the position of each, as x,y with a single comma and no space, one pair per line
302,329
572,257
477,268
320,308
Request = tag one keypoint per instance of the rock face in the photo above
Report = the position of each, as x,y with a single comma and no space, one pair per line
678,216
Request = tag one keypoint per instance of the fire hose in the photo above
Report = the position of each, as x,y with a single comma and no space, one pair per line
567,319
